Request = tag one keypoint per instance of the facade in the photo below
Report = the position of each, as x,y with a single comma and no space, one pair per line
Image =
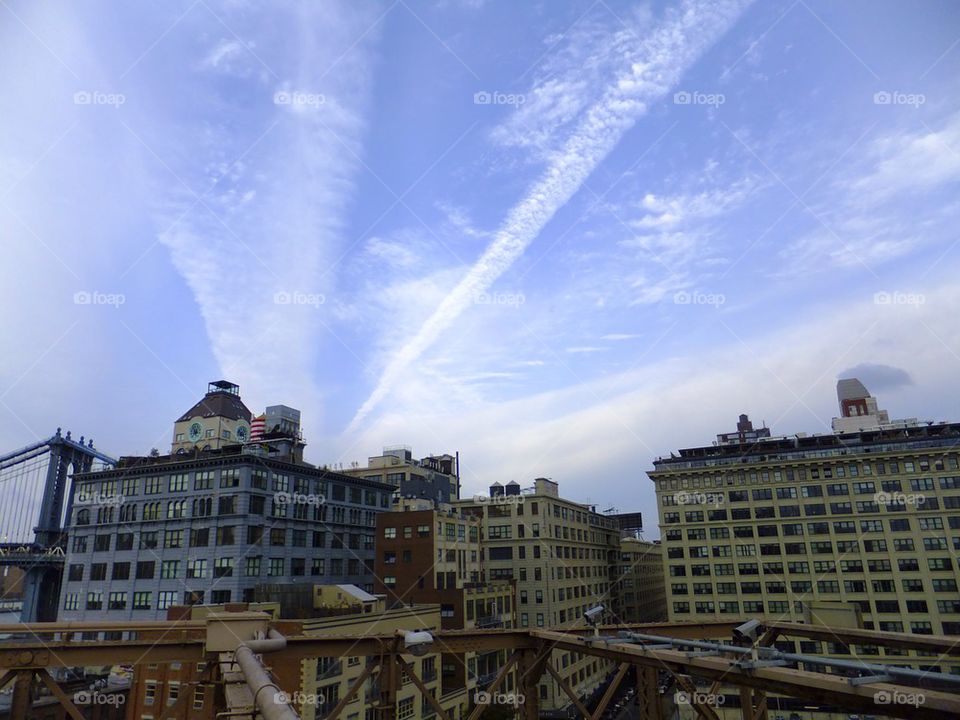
640,590
563,556
210,526
435,477
428,555
798,527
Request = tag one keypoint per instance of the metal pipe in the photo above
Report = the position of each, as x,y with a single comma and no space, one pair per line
768,653
268,703
272,643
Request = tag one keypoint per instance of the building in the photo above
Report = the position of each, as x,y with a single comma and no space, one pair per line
346,599
325,680
432,555
641,596
435,477
313,686
219,418
865,521
209,526
563,556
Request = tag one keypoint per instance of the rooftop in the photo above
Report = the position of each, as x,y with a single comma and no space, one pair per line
799,446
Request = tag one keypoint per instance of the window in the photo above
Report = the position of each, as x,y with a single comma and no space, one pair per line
225,535
141,600
223,567
166,599
230,478
196,568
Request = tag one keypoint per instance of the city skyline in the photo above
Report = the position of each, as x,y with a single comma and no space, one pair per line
562,241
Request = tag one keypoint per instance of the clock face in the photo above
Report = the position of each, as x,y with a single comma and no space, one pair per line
242,433
196,430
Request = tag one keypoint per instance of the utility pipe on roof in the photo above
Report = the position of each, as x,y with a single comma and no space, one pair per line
266,695
768,653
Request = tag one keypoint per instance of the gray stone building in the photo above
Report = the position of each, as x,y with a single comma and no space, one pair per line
158,532
208,525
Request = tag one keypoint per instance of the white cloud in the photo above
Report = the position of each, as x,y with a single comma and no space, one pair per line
912,162
584,435
271,226
874,214
655,64
223,54
586,349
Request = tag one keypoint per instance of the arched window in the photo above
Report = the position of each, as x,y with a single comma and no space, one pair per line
83,517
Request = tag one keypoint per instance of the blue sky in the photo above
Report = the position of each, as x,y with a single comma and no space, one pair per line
562,238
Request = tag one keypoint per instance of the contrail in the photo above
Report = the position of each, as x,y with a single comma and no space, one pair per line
659,61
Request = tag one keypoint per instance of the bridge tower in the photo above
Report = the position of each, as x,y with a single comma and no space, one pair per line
40,558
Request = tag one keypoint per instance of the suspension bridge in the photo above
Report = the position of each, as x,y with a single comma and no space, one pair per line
35,502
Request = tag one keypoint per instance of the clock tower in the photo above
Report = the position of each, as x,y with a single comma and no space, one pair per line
219,419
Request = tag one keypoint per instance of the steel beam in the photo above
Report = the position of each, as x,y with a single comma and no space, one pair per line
61,696
821,687
408,669
568,691
357,684
939,644
495,685
608,695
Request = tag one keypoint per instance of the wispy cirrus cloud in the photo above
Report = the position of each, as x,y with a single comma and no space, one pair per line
268,185
652,65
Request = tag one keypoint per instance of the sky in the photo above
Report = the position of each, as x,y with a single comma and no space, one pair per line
561,238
